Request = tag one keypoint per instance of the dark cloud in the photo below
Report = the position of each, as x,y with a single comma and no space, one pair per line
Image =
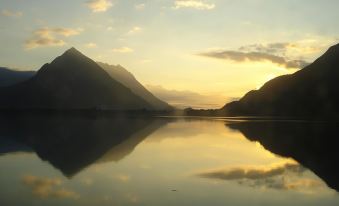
239,56
296,64
253,173
272,48
274,52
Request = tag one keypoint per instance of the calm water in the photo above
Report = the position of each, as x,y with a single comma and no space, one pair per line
163,161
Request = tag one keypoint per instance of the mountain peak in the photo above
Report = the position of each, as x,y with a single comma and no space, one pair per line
71,81
72,51
334,47
70,60
333,51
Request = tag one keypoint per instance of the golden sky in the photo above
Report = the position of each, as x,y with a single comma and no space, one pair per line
215,49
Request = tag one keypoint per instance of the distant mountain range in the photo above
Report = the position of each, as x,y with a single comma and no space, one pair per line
74,81
10,77
126,78
310,92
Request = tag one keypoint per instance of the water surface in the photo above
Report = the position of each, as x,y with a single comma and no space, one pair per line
164,161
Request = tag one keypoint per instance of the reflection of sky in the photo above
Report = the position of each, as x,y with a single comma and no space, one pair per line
167,160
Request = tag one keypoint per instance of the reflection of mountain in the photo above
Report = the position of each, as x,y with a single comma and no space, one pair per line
118,152
311,92
128,80
72,143
9,145
312,144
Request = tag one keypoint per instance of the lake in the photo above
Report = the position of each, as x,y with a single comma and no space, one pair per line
166,161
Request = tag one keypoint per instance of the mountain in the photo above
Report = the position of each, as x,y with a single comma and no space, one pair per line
71,81
10,77
312,92
127,79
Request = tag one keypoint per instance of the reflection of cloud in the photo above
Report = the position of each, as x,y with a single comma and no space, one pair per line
50,37
273,52
123,50
287,176
132,198
48,187
253,173
194,4
183,99
122,177
11,13
87,181
99,5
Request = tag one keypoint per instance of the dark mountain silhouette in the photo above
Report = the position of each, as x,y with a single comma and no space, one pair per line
71,81
11,145
126,78
71,143
10,77
313,144
310,92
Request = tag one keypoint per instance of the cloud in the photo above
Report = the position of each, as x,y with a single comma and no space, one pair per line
194,4
267,48
185,98
134,30
48,187
282,48
11,13
239,56
139,7
91,45
45,37
99,5
64,31
146,61
123,50
285,176
43,42
276,53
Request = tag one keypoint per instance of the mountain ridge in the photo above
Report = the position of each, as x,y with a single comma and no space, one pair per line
125,77
71,81
308,92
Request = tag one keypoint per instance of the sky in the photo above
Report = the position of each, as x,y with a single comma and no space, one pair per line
205,52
